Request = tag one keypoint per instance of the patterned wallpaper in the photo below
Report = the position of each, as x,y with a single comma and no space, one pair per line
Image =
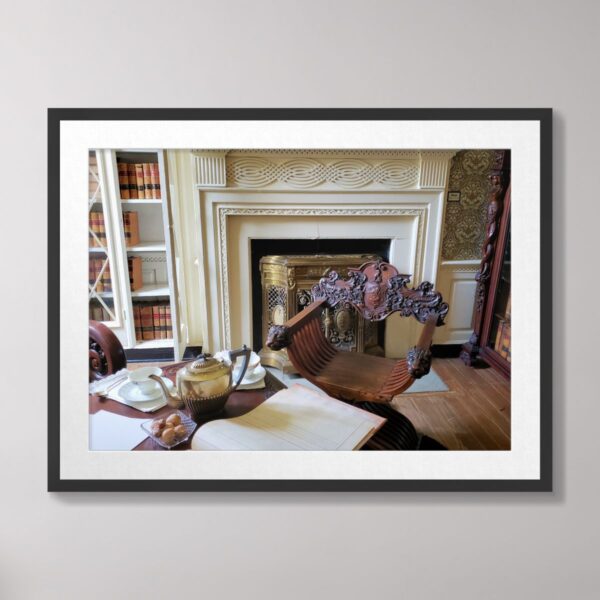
464,226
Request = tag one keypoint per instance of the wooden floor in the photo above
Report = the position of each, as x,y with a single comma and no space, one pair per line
473,415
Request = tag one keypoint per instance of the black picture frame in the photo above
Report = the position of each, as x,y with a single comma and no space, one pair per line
56,116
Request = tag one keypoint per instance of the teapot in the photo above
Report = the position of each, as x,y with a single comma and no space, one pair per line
204,385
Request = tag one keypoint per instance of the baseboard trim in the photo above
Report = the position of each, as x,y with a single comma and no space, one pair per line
142,355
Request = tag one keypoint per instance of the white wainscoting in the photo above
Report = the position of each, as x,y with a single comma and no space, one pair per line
456,283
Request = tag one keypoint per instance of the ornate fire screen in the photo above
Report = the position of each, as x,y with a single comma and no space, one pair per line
286,283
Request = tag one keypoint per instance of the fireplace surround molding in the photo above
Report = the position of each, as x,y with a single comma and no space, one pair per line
241,194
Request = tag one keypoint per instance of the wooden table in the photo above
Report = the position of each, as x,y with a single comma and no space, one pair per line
238,404
397,434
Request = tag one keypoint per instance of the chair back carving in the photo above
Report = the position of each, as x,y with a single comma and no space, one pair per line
376,290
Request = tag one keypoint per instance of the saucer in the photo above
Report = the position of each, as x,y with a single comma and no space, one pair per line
253,377
132,393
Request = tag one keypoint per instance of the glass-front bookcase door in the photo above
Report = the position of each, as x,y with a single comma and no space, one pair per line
103,286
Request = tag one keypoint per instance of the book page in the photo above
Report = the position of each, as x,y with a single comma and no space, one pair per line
293,419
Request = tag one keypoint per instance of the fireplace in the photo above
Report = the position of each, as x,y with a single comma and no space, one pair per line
283,273
387,202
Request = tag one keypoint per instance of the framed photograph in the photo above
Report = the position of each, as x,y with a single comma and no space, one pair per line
283,299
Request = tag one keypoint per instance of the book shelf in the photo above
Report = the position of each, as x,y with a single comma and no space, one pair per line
132,287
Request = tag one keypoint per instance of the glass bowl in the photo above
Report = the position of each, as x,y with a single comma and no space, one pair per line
185,421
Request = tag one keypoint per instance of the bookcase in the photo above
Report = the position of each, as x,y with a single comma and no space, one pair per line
132,286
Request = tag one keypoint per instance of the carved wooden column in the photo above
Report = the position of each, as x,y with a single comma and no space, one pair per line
499,182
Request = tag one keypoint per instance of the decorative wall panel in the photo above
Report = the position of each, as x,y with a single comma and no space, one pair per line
464,224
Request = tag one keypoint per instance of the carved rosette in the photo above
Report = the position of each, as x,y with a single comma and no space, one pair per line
98,360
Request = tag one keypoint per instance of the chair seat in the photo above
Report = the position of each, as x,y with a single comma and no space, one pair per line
362,377
375,291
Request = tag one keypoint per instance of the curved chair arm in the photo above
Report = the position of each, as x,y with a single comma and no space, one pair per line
280,336
106,352
418,358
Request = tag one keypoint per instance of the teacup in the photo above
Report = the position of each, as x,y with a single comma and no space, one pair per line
253,362
141,378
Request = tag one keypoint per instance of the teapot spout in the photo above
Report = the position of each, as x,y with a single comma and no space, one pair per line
172,397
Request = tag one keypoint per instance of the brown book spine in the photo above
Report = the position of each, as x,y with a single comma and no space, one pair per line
97,270
163,321
127,228
134,264
94,227
505,344
134,228
498,342
139,177
156,321
91,271
155,180
146,317
106,281
92,241
147,181
169,322
123,180
137,320
132,181
101,229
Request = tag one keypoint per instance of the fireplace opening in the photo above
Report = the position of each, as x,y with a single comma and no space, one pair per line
307,258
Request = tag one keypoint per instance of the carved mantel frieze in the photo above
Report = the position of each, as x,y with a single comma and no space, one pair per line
322,169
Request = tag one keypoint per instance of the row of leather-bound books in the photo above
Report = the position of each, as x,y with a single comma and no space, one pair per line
131,229
101,273
139,181
99,313
152,320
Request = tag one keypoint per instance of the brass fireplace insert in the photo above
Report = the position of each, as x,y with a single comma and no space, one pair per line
286,283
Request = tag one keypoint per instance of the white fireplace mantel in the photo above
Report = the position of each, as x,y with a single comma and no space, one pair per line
330,169
240,195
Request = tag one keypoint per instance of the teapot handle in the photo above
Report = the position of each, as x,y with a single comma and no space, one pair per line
233,354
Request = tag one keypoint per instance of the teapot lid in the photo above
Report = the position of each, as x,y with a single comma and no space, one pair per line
206,364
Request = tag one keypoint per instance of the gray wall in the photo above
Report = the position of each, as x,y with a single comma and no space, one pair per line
309,53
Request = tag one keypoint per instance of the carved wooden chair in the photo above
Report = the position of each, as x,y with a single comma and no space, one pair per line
376,290
106,352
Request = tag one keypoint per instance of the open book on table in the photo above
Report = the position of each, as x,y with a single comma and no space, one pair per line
296,418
